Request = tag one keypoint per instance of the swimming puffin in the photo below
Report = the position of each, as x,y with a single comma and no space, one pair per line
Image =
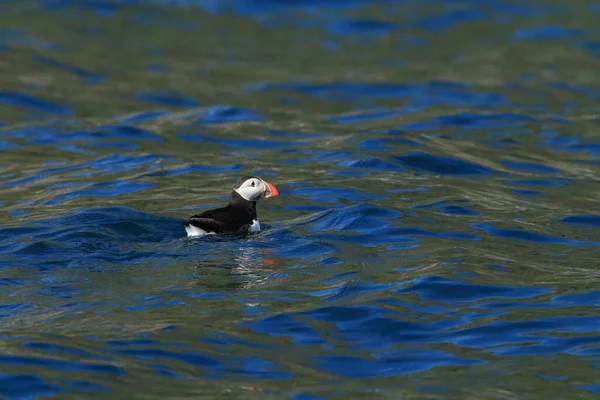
239,216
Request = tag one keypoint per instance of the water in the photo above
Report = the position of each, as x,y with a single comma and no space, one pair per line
436,234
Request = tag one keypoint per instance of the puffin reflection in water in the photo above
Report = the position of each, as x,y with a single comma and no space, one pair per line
239,216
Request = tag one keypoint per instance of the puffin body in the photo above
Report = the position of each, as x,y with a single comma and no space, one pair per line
239,216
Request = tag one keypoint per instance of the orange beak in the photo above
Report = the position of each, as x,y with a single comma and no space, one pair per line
271,190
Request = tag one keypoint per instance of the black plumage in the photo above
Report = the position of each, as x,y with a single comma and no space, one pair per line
237,217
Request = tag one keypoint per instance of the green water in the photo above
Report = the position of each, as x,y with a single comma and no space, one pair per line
223,59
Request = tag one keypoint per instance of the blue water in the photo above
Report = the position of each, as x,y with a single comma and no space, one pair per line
436,234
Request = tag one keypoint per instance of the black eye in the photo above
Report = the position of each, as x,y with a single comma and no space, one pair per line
252,184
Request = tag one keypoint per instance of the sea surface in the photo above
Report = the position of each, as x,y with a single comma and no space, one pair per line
437,233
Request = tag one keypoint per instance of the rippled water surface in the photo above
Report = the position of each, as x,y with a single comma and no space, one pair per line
438,226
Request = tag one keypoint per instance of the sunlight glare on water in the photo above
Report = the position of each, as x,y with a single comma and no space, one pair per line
437,230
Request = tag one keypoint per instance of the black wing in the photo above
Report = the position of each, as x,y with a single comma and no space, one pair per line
209,220
220,220
206,224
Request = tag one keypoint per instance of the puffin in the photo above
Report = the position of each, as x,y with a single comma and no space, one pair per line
239,216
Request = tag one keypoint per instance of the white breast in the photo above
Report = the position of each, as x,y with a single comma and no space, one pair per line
255,227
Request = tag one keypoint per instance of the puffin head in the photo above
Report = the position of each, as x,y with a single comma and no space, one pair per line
252,188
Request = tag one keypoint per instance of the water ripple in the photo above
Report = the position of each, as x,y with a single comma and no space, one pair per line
421,161
32,102
435,234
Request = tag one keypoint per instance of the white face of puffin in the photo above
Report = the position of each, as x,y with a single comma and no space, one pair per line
253,189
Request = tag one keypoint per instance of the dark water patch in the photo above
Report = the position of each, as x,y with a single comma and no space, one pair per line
590,388
424,95
45,248
591,298
126,132
446,19
167,97
530,167
523,192
91,238
132,342
103,135
363,26
341,315
572,145
9,310
418,126
589,220
362,217
446,207
4,145
592,46
508,333
549,345
32,103
420,161
306,396
25,386
374,144
100,8
117,146
387,365
287,325
259,7
527,236
13,232
417,308
56,348
477,120
547,32
451,290
305,250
